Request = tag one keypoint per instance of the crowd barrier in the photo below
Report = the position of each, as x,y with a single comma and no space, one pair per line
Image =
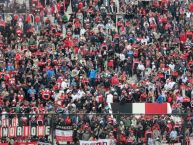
47,129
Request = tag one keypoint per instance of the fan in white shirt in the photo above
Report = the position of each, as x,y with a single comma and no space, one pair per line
109,98
172,66
152,19
188,14
184,78
64,84
82,31
141,67
169,85
122,57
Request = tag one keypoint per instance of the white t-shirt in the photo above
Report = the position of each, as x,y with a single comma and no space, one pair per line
169,86
109,98
141,67
188,14
75,96
64,85
122,57
144,41
172,66
82,31
81,93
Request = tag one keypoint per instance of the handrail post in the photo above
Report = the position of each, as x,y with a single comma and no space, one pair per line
52,127
184,128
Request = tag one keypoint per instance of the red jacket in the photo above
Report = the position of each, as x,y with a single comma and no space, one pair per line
115,80
191,7
123,138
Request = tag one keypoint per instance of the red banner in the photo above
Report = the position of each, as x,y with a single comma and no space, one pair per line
160,108
4,144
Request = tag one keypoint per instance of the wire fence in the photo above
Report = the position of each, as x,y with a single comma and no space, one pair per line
65,128
14,6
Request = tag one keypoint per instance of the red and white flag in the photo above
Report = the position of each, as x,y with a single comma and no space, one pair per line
64,135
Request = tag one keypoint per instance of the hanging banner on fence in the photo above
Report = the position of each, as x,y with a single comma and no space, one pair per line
173,144
4,144
100,142
24,131
191,140
141,108
9,122
44,143
64,135
25,143
63,127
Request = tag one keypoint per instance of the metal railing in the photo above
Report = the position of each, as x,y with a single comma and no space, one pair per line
13,7
52,121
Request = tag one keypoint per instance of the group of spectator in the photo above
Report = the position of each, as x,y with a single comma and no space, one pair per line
56,60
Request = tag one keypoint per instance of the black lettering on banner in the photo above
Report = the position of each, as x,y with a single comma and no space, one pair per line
64,127
102,143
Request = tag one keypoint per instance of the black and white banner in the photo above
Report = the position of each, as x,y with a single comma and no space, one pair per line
98,142
44,143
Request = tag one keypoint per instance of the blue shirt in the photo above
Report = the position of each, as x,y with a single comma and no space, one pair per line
10,68
160,99
31,91
50,73
130,54
93,74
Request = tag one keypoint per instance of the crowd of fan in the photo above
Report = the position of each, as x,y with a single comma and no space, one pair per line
143,53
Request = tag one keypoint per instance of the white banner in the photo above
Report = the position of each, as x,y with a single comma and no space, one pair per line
44,143
191,140
98,142
172,144
64,135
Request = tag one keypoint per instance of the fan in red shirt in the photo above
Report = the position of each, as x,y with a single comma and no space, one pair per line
37,19
131,138
28,18
114,80
19,31
110,63
46,94
191,7
41,63
183,37
68,120
123,139
20,97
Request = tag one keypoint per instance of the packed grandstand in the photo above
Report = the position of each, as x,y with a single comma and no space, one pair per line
111,72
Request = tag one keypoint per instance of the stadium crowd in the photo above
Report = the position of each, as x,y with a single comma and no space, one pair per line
105,52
